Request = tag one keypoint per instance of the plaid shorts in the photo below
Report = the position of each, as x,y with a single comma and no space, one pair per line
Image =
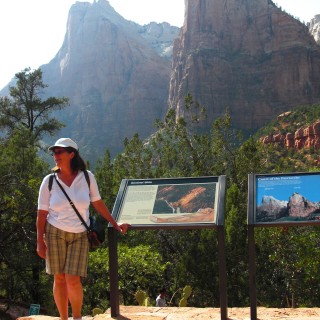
67,252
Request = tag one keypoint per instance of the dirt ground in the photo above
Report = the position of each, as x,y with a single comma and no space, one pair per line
154,313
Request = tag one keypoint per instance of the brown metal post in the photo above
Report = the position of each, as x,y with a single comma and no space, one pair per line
222,273
113,269
252,273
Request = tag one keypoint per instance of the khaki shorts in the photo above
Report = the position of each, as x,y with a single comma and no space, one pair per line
67,252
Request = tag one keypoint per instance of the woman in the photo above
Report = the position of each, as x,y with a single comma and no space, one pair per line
61,237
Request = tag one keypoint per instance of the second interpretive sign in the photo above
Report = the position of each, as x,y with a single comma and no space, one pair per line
291,198
163,202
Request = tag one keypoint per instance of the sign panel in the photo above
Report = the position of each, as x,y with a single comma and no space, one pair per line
168,202
287,198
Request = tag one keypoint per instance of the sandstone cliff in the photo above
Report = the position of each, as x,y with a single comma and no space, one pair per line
314,28
116,81
246,56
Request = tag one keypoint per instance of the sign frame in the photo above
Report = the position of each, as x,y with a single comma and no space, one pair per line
273,181
281,183
128,185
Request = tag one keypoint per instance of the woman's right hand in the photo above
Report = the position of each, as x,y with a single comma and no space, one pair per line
41,249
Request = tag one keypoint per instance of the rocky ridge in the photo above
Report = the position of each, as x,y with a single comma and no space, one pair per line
305,137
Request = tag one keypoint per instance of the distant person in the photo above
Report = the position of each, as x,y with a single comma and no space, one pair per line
161,298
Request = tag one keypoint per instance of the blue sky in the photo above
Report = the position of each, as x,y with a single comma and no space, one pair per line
282,187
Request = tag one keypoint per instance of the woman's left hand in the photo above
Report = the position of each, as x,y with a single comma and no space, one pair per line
123,227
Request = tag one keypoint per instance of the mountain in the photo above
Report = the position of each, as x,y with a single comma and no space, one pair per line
271,208
116,74
249,57
297,208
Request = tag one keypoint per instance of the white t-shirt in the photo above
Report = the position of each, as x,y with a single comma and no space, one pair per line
160,302
61,214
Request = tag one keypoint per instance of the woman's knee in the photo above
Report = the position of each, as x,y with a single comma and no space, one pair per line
73,280
60,278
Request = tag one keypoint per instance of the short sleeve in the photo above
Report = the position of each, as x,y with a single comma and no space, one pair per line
94,189
44,194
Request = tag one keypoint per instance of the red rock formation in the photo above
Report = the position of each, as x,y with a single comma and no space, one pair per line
299,206
245,56
307,137
289,140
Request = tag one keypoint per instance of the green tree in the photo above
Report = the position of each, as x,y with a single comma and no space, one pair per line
104,175
134,162
25,109
21,172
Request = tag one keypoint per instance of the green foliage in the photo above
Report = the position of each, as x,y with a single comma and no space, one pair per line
104,174
186,292
140,268
96,311
286,265
25,110
134,162
142,298
21,173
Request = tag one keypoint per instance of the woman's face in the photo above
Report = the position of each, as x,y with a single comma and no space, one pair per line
61,156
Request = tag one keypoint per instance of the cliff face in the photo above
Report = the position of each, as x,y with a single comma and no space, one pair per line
314,28
245,56
116,81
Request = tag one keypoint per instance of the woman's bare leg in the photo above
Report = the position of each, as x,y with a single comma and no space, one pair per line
60,294
75,294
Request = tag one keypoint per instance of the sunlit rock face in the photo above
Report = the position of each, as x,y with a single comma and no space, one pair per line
115,73
246,56
314,28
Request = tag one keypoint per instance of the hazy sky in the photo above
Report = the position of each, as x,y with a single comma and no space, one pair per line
32,31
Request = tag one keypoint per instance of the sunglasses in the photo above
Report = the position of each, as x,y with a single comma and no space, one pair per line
57,152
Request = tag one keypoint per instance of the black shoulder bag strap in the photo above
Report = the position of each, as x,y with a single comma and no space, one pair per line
85,174
72,204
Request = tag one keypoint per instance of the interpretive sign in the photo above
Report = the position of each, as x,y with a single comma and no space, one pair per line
171,203
157,203
292,198
276,200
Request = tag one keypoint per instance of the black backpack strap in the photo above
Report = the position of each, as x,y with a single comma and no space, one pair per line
50,181
72,204
86,174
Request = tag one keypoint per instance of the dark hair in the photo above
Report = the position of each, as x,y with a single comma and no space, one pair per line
77,163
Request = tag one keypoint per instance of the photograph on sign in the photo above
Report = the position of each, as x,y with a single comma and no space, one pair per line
287,198
169,201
